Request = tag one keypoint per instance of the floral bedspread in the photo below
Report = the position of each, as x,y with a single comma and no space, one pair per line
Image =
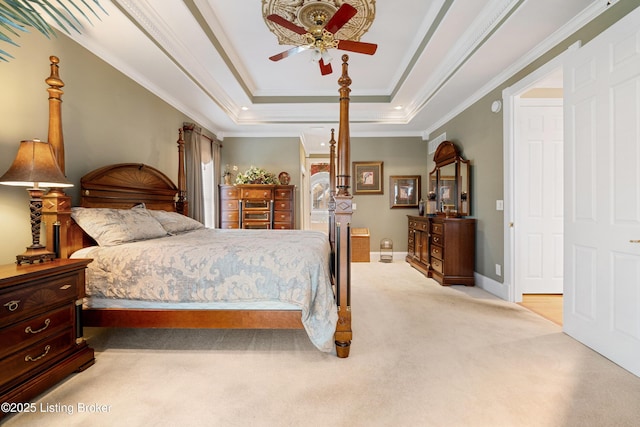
207,265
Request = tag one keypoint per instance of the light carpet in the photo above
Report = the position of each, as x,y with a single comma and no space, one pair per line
422,355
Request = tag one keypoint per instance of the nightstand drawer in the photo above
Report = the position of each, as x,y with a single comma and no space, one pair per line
32,330
38,296
36,355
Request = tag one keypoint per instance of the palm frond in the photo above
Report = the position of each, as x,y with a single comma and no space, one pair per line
19,15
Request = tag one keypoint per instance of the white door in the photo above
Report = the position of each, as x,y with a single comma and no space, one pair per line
539,196
602,194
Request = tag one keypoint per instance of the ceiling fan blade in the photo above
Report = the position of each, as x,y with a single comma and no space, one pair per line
358,47
286,24
325,68
340,18
287,53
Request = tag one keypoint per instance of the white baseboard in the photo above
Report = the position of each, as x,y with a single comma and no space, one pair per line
493,287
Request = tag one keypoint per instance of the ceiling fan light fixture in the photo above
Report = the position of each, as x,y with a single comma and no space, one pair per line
326,56
316,55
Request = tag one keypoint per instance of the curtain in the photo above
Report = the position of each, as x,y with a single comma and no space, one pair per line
202,158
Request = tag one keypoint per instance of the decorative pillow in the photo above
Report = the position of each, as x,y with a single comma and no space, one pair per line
174,223
110,227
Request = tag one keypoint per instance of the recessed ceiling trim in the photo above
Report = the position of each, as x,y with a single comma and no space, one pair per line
132,10
466,50
555,39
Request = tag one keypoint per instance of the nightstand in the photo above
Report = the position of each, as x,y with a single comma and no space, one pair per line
40,329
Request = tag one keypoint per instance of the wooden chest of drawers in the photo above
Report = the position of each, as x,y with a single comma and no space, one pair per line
257,206
443,248
40,308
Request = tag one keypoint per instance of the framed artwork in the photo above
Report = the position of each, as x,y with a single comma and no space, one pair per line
367,178
404,191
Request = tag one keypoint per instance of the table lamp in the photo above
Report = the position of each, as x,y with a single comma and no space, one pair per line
35,166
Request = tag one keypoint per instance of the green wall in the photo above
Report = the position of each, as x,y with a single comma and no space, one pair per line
479,132
400,156
107,117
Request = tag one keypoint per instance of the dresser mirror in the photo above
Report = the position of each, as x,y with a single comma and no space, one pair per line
449,183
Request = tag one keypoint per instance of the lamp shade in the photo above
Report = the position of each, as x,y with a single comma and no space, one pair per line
35,166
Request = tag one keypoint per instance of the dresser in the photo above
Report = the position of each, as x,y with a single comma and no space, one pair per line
443,248
257,206
40,329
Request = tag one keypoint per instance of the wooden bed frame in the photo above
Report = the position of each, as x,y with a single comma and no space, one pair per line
125,185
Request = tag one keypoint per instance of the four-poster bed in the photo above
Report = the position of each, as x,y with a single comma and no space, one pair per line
125,186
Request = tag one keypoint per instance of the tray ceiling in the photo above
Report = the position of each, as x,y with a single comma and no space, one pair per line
209,58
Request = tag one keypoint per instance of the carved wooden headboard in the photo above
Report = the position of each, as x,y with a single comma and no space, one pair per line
124,185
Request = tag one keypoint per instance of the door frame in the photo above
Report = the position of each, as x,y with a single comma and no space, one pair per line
510,97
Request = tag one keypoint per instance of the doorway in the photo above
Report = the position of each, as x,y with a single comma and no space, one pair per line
318,192
533,124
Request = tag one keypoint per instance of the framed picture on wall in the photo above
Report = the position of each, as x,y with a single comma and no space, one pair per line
404,191
367,178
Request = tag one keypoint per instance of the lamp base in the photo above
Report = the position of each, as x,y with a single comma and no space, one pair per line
35,254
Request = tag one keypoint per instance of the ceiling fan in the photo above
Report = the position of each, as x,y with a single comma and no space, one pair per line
320,37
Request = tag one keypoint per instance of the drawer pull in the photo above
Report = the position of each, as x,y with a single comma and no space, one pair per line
65,287
435,251
28,329
28,358
12,305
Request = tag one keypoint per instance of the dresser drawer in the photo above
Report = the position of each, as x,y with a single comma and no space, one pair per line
283,193
32,330
229,224
282,216
256,193
229,193
38,296
437,228
229,205
282,226
282,205
36,355
250,225
437,239
437,265
437,251
256,216
229,216
256,204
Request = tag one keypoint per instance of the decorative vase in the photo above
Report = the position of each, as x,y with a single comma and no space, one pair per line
227,180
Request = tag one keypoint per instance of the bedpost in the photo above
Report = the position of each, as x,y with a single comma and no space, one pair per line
56,205
182,206
343,215
332,192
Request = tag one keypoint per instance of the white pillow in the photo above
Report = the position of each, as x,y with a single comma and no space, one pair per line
175,223
110,227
